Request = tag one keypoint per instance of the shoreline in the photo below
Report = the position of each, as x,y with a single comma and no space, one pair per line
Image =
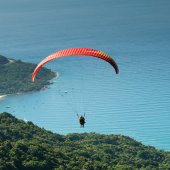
2,96
56,75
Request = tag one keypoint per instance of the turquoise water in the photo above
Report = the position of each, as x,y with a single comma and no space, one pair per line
136,33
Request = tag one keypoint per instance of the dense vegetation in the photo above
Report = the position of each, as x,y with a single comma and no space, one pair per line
15,76
25,146
3,60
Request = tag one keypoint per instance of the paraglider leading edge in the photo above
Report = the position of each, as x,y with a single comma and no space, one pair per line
76,52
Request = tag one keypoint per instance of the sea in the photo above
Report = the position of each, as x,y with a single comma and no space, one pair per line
136,34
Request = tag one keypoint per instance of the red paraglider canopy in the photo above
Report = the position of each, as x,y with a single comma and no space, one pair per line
77,52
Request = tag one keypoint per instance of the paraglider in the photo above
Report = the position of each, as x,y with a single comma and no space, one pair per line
81,120
76,52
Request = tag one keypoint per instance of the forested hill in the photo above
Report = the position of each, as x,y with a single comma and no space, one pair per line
15,76
25,146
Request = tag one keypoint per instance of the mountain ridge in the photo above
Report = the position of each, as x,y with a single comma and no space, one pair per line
24,145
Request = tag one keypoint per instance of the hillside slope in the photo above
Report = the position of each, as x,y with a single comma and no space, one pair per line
15,76
24,146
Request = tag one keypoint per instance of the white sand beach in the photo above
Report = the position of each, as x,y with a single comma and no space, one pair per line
2,96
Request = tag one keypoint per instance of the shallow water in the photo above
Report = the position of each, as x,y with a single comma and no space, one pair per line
136,34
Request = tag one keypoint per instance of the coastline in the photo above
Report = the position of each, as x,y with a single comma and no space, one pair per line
56,75
2,96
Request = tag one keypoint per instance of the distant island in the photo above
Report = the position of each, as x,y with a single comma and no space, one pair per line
15,76
25,146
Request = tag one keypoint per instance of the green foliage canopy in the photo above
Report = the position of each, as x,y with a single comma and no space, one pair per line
24,146
15,77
